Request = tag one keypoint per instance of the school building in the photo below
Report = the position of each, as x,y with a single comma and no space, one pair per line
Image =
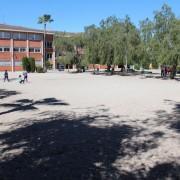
18,42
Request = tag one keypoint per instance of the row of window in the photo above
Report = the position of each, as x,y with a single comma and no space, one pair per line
20,36
49,56
35,50
4,49
20,49
17,63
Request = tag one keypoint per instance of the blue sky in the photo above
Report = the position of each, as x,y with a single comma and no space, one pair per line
73,15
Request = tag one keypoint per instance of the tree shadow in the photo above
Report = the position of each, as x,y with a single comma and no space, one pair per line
170,119
27,104
63,147
5,93
70,147
176,124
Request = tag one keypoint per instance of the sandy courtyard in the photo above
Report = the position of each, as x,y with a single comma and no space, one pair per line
82,126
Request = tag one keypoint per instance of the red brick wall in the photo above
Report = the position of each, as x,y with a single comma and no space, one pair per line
36,56
5,42
35,44
97,66
18,68
103,66
20,43
3,68
5,56
19,55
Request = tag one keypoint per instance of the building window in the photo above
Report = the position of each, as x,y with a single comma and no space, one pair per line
19,36
49,56
16,49
35,50
4,49
31,37
22,36
19,49
38,37
5,35
35,37
15,35
22,49
48,44
31,49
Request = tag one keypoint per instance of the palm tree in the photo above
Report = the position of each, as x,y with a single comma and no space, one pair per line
46,18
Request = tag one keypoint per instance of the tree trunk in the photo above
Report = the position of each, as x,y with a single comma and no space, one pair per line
94,69
44,49
173,72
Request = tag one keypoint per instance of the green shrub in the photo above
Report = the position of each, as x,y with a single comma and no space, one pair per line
32,64
48,65
39,69
145,65
137,66
26,64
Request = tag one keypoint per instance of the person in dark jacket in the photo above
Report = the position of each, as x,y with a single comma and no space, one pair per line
6,78
25,74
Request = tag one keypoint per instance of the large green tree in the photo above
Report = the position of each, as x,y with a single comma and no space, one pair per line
119,42
113,42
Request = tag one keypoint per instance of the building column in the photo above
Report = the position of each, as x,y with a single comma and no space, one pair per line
27,46
12,54
42,52
54,58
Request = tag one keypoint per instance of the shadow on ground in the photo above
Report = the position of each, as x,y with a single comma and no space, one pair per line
67,147
172,120
5,93
62,147
27,105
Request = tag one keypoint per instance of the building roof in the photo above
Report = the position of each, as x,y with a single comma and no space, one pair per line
6,27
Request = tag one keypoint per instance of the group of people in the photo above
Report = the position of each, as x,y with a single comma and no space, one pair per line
165,71
21,79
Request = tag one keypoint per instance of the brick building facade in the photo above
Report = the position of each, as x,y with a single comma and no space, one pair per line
18,42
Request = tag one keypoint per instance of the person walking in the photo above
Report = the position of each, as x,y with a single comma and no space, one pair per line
25,74
165,71
6,76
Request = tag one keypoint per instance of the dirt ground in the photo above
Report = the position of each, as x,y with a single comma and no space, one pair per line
81,126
